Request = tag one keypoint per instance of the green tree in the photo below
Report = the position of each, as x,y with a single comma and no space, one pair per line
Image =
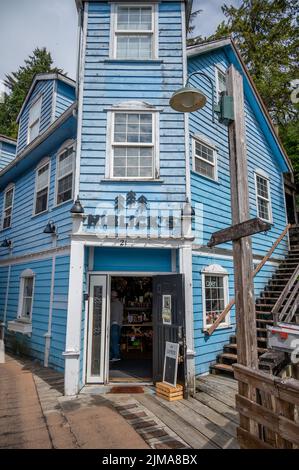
19,83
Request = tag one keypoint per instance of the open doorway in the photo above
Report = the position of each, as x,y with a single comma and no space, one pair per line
131,310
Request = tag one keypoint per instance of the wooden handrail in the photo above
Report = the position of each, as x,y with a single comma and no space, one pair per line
285,313
229,306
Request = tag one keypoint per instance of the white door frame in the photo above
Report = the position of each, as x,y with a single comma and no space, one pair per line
97,280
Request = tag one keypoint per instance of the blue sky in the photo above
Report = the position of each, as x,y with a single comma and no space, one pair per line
26,24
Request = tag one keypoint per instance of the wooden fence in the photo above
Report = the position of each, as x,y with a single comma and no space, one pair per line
271,414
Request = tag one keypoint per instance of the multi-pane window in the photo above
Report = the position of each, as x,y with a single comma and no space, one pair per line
7,208
34,120
133,145
26,298
221,82
134,32
215,297
204,160
42,188
263,197
65,175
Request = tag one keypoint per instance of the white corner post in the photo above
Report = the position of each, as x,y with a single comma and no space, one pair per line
74,314
186,269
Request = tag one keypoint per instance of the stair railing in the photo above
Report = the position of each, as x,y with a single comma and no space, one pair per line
286,306
229,306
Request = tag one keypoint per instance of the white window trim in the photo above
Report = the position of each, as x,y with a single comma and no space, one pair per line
221,69
44,162
154,31
264,175
8,188
38,99
135,108
69,143
207,143
219,271
25,274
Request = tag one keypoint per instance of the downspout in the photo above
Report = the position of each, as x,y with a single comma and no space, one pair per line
48,335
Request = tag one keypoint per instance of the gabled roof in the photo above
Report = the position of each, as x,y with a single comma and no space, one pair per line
8,140
234,55
45,76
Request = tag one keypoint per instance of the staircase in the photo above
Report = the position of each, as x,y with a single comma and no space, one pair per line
263,308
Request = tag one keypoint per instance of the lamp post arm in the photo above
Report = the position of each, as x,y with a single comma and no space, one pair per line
212,86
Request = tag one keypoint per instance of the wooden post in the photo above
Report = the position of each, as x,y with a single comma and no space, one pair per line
242,252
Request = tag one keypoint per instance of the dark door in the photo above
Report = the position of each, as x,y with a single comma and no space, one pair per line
168,322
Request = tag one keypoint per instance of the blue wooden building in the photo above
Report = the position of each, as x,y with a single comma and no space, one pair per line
100,198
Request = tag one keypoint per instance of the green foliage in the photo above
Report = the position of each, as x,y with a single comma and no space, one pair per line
19,83
267,35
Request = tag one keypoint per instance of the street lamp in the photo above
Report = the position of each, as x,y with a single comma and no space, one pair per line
189,99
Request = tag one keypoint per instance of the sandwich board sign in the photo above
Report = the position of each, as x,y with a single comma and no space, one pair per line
171,360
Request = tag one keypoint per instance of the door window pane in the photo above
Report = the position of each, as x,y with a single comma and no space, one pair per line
97,330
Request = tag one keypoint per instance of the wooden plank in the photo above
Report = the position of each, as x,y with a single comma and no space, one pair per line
221,317
237,231
168,388
170,398
286,290
229,382
272,249
213,432
286,428
217,405
248,441
215,392
193,438
287,410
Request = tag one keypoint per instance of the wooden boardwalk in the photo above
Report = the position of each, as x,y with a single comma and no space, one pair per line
207,421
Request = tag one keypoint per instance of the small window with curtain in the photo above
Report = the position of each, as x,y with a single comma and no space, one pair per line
34,120
65,175
204,159
215,295
42,188
7,207
133,149
134,32
26,296
263,197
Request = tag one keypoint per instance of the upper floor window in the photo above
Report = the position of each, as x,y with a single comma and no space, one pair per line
220,83
42,188
263,197
65,174
7,207
133,145
215,294
134,32
34,120
26,295
204,159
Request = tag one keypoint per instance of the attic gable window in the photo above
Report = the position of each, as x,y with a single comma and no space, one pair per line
65,174
204,159
42,188
34,120
134,32
263,197
7,207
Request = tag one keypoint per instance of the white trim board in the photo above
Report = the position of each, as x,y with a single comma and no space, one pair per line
41,255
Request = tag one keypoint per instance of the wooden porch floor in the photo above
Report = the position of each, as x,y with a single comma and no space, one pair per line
207,421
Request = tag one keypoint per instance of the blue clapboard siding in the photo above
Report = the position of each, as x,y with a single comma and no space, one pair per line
7,153
45,88
128,259
65,97
27,230
59,314
110,82
3,287
208,347
215,195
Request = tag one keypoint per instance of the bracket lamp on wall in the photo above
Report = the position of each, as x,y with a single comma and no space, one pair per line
50,228
6,243
77,207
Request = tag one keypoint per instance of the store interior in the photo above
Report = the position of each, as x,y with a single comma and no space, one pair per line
136,339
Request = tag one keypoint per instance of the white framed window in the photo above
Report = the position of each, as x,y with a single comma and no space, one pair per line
204,158
26,295
221,86
133,149
65,164
42,183
8,207
263,199
215,295
34,120
134,31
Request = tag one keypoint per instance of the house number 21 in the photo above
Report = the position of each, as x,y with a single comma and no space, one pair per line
123,242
